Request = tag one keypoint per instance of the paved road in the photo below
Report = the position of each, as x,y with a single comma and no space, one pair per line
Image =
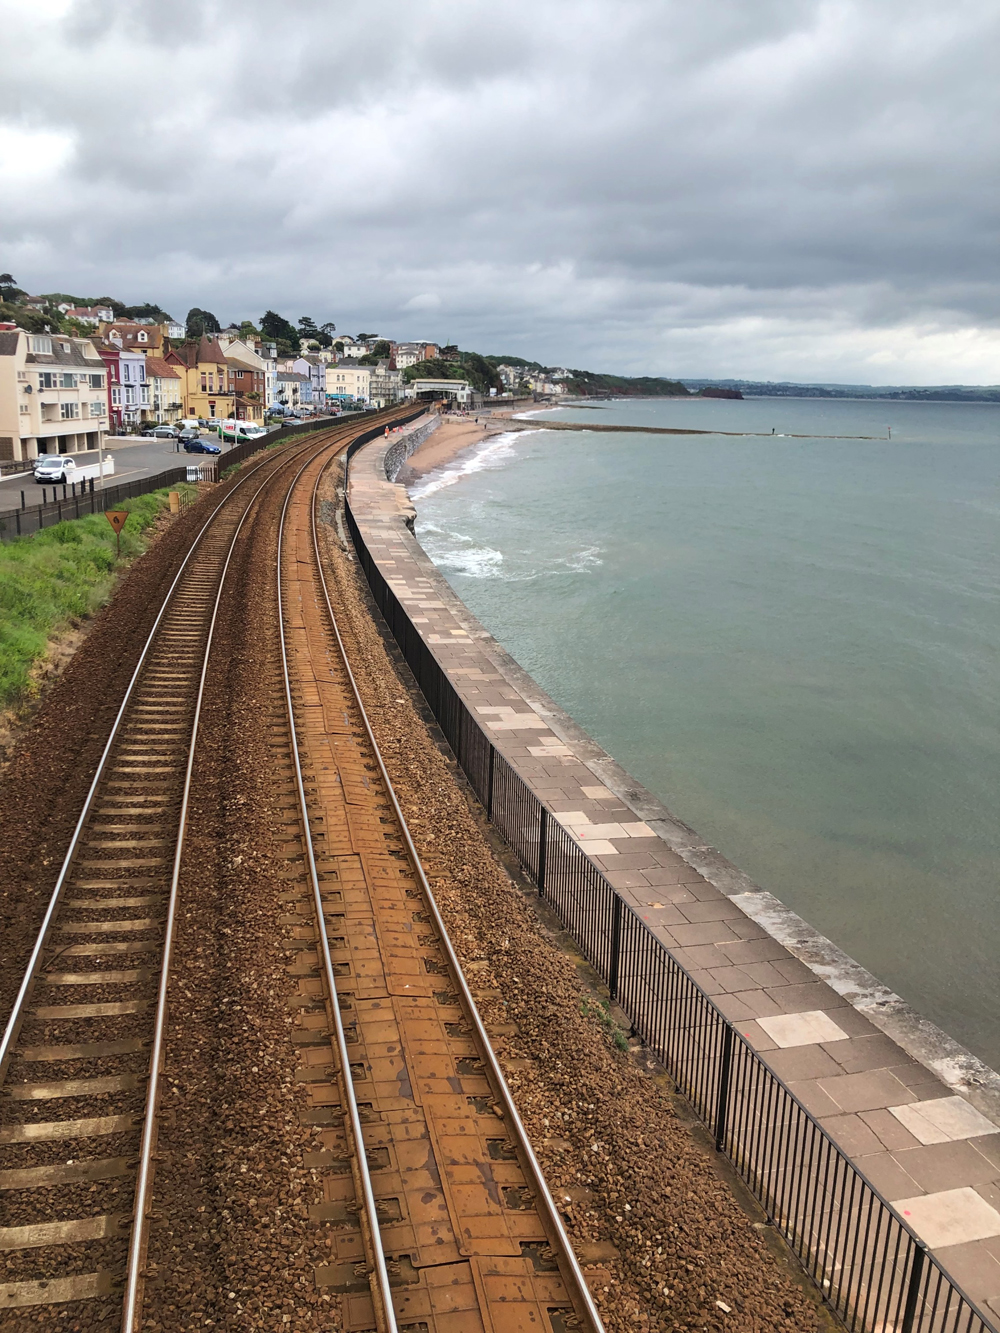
134,457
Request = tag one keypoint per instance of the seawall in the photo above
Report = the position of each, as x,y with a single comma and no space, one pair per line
911,1107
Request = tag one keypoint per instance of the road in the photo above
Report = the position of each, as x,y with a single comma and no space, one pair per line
134,457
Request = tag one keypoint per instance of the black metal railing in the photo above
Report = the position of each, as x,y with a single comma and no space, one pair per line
77,499
866,1262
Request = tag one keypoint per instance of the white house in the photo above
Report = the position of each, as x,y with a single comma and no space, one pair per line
53,395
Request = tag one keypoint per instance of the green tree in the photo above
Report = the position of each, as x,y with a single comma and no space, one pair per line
200,322
150,311
9,290
39,321
278,329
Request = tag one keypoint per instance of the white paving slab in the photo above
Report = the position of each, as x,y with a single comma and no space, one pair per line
943,1120
951,1217
806,1029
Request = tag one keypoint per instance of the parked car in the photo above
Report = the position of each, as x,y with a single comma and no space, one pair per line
198,446
162,432
61,468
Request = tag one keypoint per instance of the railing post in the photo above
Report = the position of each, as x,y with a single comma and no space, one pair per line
616,946
913,1290
722,1099
543,843
489,781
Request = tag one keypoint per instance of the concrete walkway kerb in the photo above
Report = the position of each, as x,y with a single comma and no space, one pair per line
912,1108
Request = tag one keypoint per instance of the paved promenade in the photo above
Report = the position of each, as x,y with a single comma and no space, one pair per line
915,1111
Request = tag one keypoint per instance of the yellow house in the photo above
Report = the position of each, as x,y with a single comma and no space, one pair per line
207,385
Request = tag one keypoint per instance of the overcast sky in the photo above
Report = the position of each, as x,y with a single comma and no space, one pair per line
757,188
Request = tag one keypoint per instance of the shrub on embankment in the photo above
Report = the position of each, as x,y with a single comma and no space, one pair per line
61,575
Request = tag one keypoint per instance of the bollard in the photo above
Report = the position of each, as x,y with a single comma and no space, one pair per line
175,502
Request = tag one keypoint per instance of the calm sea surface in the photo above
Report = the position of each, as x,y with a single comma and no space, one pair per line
792,642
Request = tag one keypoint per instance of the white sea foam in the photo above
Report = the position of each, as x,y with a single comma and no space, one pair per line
457,554
487,456
582,561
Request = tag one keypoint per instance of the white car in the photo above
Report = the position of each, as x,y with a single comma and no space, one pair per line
54,468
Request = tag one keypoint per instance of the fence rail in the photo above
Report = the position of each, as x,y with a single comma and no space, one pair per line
78,500
866,1262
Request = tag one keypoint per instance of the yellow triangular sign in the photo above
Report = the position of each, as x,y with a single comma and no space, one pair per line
116,517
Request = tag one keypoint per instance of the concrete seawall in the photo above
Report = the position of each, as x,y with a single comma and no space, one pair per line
915,1110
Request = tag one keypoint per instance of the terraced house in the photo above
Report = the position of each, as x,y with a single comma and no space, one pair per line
206,382
53,395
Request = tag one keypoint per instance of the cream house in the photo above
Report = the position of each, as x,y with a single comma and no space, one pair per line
347,382
53,395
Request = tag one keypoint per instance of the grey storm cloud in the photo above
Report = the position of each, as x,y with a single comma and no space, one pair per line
778,189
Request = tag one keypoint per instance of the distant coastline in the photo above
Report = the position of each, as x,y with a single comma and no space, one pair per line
931,393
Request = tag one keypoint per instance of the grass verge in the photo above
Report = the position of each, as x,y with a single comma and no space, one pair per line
57,577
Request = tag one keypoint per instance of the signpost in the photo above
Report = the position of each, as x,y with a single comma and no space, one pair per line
117,518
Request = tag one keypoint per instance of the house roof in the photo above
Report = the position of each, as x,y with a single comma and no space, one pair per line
192,354
74,356
157,366
8,341
129,333
289,377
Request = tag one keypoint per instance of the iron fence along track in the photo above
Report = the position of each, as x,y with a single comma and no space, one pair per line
870,1268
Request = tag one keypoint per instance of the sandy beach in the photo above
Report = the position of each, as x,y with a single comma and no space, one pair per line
453,437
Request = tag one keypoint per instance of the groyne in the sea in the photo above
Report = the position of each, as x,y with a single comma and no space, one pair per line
520,423
828,1092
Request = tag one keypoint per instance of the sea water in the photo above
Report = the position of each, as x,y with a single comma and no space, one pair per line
793,642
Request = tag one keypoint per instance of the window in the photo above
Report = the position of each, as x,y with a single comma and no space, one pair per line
129,394
204,383
239,374
96,381
46,379
67,381
42,345
66,347
142,337
69,411
116,397
97,409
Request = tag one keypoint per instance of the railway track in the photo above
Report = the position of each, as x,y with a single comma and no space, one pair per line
439,1217
80,1056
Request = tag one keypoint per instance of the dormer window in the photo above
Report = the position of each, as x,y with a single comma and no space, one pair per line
142,336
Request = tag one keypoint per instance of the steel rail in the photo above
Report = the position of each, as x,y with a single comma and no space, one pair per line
385,1316
16,1016
134,1272
576,1282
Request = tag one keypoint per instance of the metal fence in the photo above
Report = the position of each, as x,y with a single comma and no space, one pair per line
866,1262
76,500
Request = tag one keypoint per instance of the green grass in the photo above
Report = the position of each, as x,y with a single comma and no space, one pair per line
59,576
602,1013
